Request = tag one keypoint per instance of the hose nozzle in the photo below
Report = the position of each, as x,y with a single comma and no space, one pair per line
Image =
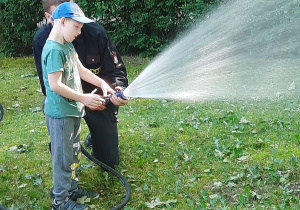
119,94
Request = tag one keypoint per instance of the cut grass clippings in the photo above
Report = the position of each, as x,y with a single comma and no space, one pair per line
174,155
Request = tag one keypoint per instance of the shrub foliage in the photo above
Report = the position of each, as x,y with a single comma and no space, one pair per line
136,26
18,24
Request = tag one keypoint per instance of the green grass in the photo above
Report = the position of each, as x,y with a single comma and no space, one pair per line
198,155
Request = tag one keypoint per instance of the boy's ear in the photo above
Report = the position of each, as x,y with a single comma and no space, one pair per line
48,16
62,21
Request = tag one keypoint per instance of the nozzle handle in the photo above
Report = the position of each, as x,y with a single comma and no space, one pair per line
119,94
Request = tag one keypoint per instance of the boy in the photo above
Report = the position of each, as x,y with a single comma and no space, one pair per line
64,104
98,53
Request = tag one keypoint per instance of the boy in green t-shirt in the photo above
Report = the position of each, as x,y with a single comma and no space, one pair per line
64,104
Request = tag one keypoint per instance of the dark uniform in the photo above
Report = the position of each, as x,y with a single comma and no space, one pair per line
98,53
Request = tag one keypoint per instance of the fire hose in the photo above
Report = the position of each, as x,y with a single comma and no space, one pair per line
1,112
114,172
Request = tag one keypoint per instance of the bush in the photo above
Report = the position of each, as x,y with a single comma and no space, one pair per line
145,27
18,24
137,27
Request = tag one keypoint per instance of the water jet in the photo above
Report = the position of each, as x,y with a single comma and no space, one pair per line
244,49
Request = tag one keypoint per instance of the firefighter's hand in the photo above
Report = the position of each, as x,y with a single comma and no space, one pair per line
118,101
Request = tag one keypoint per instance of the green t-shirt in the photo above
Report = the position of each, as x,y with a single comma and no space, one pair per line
58,57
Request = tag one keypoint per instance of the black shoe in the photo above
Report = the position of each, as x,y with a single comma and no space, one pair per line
68,205
78,193
88,141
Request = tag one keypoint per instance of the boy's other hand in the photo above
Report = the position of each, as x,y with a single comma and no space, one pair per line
93,101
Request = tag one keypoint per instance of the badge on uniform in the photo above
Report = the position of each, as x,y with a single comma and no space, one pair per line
114,55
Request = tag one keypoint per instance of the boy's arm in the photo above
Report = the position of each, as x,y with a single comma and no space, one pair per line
92,101
88,76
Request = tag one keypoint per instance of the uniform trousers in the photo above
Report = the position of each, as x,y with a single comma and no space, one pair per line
103,126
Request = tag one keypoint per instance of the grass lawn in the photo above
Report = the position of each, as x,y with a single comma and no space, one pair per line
174,155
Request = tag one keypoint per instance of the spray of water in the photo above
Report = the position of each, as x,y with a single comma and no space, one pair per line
246,48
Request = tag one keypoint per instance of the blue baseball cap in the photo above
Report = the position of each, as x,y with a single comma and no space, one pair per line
70,10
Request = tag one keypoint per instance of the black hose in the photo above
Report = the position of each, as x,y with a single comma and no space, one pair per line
114,172
1,112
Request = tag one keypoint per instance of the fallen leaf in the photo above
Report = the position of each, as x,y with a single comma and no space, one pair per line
83,200
213,196
243,158
22,186
230,184
157,202
244,121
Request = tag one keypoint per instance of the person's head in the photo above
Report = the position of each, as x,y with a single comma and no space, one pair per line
50,6
69,19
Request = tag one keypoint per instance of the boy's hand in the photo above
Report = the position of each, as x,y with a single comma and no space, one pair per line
93,101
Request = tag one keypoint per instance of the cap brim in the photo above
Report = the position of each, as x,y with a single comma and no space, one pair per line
82,19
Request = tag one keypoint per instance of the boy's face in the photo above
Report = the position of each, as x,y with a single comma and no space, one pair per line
71,29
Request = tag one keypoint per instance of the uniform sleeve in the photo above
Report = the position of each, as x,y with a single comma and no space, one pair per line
37,53
112,67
